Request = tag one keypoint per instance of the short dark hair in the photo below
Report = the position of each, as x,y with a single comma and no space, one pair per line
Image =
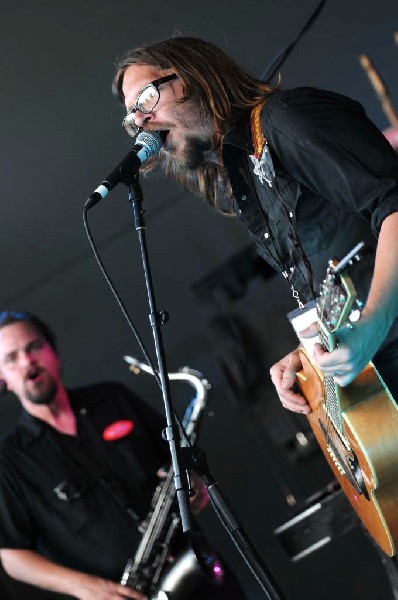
7,317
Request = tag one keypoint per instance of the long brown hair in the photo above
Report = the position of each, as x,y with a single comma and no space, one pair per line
220,88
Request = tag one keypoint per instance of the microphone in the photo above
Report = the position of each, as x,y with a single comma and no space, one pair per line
147,144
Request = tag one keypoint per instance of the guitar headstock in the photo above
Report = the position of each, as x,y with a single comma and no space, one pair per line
337,305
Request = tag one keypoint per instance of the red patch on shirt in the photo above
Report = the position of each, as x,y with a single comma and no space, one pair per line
117,430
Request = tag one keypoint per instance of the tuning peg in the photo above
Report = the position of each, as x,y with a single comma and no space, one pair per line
355,315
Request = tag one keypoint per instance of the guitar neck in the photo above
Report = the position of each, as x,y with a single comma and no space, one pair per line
327,339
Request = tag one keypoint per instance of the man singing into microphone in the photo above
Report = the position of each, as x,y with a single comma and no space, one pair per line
304,170
77,474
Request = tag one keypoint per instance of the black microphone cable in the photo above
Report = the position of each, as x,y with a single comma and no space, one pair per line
117,296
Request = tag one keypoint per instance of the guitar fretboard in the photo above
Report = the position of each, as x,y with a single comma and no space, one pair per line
332,404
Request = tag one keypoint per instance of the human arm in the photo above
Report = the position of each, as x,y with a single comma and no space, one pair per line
200,498
331,149
283,376
31,568
391,134
358,346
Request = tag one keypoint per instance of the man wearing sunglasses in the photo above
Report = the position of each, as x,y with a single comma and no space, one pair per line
77,475
304,170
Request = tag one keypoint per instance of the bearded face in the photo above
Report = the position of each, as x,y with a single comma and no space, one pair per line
28,363
40,387
187,133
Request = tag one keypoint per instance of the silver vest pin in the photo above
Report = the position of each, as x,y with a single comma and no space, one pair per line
260,167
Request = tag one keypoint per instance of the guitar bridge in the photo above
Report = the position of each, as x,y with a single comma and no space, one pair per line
348,467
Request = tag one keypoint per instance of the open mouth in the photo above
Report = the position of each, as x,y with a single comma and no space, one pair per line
33,374
164,134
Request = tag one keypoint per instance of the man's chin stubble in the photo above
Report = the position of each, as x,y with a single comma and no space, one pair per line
43,398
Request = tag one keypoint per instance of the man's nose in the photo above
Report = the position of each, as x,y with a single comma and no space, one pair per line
141,118
26,359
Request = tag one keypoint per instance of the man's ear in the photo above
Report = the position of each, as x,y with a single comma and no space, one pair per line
3,387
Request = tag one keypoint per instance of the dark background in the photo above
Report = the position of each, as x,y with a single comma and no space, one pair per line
61,134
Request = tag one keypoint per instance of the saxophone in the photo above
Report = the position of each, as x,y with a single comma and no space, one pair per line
153,570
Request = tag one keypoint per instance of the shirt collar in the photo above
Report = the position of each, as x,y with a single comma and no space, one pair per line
31,428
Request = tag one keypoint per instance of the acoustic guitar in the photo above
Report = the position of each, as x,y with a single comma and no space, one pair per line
356,426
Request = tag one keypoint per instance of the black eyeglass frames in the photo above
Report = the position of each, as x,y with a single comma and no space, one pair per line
146,101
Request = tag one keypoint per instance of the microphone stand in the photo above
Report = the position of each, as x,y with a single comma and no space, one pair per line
156,319
191,457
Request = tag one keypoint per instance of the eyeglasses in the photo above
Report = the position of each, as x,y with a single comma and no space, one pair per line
19,316
146,101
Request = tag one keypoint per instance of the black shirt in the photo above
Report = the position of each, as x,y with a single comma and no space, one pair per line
52,502
336,173
336,180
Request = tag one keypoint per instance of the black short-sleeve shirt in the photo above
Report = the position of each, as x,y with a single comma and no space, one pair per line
52,503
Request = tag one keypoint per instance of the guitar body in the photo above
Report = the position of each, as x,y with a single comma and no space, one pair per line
364,455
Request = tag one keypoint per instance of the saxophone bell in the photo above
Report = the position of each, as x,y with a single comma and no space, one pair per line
199,561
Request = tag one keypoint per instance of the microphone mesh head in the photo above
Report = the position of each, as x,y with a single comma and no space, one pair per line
150,139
